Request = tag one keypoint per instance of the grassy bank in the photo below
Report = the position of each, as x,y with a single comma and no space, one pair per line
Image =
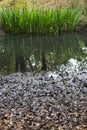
43,16
39,21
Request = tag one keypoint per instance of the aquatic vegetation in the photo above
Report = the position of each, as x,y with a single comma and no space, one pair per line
39,21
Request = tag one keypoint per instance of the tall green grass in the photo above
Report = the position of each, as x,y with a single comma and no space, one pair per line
39,21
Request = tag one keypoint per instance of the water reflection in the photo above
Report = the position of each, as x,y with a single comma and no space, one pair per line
27,53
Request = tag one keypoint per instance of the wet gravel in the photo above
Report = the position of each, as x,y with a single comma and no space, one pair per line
44,101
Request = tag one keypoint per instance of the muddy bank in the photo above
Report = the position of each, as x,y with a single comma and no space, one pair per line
44,101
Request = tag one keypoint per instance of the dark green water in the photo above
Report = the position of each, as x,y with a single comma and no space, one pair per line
36,53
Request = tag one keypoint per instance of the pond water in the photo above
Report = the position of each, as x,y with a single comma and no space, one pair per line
36,53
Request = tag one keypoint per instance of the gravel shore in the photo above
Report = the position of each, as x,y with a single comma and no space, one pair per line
44,101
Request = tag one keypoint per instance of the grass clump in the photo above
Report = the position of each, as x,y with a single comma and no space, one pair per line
39,21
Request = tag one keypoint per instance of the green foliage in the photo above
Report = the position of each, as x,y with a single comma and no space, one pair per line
73,17
39,21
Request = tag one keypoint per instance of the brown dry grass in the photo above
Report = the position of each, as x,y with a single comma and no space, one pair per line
43,3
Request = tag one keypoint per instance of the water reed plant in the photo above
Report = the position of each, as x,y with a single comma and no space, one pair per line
39,21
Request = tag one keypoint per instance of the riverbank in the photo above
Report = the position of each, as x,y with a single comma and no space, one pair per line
55,100
47,100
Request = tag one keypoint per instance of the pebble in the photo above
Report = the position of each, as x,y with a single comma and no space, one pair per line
43,101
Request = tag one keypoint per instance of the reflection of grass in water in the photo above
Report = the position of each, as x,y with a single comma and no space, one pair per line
39,21
55,50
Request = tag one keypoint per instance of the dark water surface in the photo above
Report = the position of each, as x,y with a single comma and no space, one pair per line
36,53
